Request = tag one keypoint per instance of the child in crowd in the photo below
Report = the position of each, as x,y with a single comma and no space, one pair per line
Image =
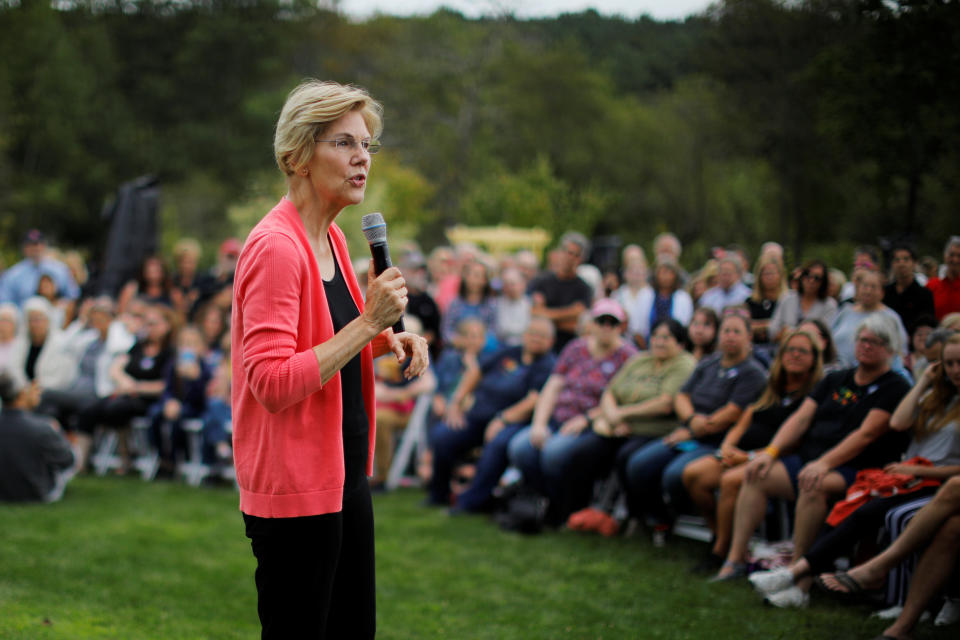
184,396
217,445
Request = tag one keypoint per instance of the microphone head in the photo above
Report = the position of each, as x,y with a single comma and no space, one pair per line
374,228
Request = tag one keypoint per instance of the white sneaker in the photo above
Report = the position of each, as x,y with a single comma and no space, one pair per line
949,613
891,613
768,582
790,598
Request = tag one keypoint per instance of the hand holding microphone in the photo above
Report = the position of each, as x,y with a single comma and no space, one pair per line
375,231
403,344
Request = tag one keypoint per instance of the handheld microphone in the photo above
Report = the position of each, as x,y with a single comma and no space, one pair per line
375,231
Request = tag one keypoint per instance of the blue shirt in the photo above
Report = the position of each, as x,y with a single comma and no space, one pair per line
20,281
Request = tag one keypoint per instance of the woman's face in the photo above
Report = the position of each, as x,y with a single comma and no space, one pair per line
191,340
8,329
798,355
734,337
951,363
869,292
770,278
871,350
187,262
663,345
814,331
702,331
156,325
475,278
38,324
473,337
919,339
212,324
636,275
666,278
811,279
338,177
153,271
47,288
607,330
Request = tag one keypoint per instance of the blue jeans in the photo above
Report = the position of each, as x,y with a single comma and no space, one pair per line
654,475
492,464
448,446
543,468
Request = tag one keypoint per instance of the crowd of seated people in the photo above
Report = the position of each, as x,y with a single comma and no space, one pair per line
707,392
155,349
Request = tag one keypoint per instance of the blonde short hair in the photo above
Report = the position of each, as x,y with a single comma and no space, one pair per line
309,110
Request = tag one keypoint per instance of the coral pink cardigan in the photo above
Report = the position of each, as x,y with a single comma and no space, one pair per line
287,433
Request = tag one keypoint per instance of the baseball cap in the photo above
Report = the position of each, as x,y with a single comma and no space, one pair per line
230,246
608,307
34,236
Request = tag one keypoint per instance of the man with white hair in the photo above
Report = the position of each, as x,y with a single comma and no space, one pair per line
729,290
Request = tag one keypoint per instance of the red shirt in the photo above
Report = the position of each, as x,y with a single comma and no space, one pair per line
946,295
287,433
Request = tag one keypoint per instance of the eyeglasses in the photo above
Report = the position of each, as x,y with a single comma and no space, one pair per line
873,342
797,351
351,144
816,277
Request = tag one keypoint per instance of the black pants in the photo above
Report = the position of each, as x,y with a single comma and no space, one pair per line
315,574
865,521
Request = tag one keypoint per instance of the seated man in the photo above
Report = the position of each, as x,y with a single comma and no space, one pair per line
842,427
35,457
504,389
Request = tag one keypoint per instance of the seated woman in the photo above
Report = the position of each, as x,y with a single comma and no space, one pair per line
828,351
138,375
703,332
562,413
152,285
708,404
794,372
475,298
638,402
809,301
769,285
840,428
867,300
937,525
932,409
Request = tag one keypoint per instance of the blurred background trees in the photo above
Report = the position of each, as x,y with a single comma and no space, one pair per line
817,123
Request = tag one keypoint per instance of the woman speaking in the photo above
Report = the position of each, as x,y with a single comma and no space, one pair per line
303,406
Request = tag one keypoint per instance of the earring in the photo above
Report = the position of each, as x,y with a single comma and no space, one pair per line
304,172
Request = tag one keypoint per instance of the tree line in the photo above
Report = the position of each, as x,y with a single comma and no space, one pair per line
817,123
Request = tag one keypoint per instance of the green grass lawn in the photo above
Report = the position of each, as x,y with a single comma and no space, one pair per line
119,558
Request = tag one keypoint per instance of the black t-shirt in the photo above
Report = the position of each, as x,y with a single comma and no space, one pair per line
30,366
842,405
914,302
355,425
143,367
558,294
766,422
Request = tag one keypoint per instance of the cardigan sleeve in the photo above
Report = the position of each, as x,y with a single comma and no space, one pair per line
269,291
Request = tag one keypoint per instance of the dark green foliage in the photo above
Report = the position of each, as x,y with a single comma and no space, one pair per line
810,122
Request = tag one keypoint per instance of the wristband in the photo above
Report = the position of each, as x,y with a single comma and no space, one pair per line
772,451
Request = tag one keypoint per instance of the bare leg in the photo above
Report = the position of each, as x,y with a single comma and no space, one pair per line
922,527
811,513
700,478
752,506
935,567
730,483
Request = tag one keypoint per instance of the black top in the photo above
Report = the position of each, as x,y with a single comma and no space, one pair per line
355,425
766,422
143,367
842,405
914,302
30,366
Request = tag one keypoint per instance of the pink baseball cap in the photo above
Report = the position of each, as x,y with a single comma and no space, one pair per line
230,247
608,307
